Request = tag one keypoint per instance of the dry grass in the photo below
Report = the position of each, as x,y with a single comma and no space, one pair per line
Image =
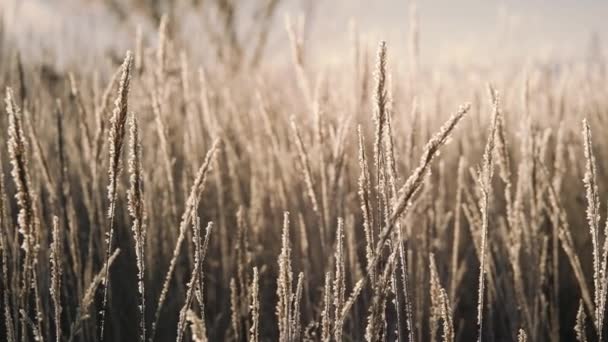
344,207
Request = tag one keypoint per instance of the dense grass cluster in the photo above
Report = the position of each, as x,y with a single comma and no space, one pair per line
173,200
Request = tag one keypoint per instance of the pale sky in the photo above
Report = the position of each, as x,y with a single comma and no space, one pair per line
473,27
450,30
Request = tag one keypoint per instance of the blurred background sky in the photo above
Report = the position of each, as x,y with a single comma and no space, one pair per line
450,31
470,28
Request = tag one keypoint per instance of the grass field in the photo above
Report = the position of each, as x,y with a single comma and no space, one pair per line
162,197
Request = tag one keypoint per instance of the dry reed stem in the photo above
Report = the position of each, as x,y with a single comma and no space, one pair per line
284,285
201,247
380,110
579,328
440,305
235,319
296,321
82,313
446,315
17,150
197,327
137,212
414,181
326,313
116,141
593,219
457,227
485,186
405,280
376,327
339,281
366,207
4,260
56,260
193,278
28,322
435,296
254,333
195,193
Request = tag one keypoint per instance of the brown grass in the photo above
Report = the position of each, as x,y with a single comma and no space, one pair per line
345,207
